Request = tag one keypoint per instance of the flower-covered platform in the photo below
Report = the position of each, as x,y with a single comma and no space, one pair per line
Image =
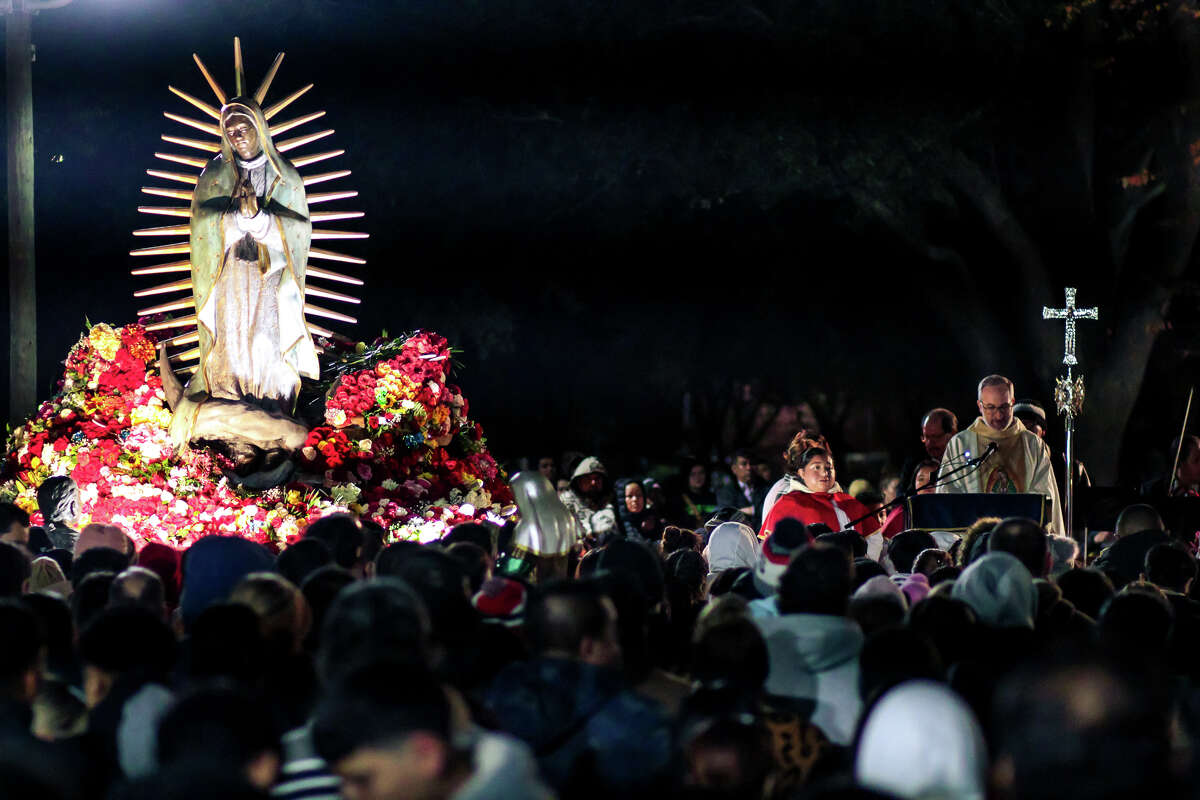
390,440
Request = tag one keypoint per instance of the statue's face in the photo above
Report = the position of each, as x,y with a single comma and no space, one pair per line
242,136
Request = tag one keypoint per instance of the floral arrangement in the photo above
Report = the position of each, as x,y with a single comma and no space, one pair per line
396,447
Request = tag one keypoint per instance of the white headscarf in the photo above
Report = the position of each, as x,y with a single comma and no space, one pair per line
730,545
922,741
1000,590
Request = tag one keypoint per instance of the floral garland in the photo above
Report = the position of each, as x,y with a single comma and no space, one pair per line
397,448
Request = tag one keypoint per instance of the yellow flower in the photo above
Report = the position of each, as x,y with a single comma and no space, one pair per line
105,340
159,417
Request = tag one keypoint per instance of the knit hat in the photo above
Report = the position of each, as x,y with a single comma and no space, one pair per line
163,561
915,588
501,600
789,536
881,586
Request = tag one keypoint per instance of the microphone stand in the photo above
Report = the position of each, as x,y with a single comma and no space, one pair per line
972,464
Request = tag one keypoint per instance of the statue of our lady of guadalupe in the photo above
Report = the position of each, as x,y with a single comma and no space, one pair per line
250,233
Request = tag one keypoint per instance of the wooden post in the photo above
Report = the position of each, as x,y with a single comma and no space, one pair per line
22,294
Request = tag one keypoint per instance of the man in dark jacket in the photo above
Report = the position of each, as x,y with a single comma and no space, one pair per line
571,705
1139,527
746,491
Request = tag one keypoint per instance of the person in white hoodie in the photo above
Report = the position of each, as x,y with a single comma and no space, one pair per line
813,646
731,545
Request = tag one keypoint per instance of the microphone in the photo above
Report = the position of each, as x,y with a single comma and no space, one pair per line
991,448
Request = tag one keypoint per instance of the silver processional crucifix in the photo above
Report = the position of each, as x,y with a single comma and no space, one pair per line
1068,396
1070,314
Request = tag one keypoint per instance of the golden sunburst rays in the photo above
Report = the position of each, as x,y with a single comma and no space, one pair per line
173,299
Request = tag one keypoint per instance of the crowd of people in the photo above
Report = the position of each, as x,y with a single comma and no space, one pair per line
774,637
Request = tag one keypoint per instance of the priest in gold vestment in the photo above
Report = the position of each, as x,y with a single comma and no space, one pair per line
1020,463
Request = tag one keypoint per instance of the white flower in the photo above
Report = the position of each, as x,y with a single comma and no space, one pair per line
389,485
345,494
289,528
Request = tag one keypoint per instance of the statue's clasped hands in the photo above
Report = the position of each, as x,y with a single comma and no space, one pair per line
246,198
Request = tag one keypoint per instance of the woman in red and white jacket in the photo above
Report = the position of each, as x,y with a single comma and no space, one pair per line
818,501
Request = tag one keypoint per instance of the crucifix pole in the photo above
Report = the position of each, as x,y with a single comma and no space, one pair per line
1068,396
1069,473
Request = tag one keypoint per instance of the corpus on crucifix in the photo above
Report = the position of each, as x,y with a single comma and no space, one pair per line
1070,314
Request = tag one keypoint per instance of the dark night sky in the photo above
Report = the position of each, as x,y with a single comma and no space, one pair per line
602,204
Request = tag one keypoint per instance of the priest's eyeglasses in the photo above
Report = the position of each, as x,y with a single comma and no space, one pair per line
991,409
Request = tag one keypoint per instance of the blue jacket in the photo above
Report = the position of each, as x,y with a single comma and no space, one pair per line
584,726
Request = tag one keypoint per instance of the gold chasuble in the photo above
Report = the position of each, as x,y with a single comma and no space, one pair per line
1003,472
1021,463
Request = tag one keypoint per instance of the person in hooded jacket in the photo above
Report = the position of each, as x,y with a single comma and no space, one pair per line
813,646
694,500
590,500
731,545
638,520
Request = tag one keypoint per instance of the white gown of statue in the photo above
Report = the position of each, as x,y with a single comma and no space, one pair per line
243,311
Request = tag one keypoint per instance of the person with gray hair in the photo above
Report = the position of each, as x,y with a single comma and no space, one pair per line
1063,552
1013,459
58,500
140,588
